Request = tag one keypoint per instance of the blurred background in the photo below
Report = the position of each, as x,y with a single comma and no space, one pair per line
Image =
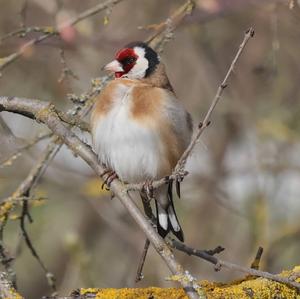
244,184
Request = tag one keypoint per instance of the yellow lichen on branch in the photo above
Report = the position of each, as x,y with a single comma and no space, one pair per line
6,289
250,287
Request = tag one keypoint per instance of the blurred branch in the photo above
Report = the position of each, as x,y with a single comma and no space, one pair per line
165,29
51,31
66,72
205,13
220,263
46,113
23,191
25,214
91,11
23,31
23,13
9,160
5,61
25,187
146,198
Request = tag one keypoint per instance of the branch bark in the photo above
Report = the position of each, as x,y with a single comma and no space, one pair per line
231,266
6,288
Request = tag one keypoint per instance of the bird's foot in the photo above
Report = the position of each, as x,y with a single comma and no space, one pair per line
148,189
178,179
110,177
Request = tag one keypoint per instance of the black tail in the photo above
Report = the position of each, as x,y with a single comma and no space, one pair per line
167,219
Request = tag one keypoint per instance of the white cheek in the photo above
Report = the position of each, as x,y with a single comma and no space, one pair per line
139,69
141,65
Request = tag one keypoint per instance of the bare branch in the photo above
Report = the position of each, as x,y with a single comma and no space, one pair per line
66,72
23,191
163,31
220,263
9,160
206,122
92,11
25,213
139,272
46,113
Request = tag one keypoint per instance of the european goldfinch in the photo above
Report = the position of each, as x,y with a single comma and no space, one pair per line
139,127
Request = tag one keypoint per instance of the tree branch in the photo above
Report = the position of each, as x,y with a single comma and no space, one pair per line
6,289
46,113
220,263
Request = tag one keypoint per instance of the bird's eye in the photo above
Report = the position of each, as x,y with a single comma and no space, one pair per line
128,60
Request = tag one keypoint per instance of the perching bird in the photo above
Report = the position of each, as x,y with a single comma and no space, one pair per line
139,127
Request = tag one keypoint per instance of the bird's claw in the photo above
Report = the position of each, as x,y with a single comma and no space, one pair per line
178,179
111,176
148,189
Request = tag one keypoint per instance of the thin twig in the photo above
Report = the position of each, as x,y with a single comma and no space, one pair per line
25,213
139,272
66,72
220,263
206,122
151,217
173,21
87,13
23,191
91,11
9,160
23,14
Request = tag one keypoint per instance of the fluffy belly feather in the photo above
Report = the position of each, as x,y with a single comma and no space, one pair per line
132,150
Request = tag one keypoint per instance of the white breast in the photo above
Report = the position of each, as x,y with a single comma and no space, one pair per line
125,145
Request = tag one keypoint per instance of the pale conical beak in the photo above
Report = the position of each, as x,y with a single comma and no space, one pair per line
114,66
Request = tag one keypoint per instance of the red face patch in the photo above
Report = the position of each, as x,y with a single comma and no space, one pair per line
127,58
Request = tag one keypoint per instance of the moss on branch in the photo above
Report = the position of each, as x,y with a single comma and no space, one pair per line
250,287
